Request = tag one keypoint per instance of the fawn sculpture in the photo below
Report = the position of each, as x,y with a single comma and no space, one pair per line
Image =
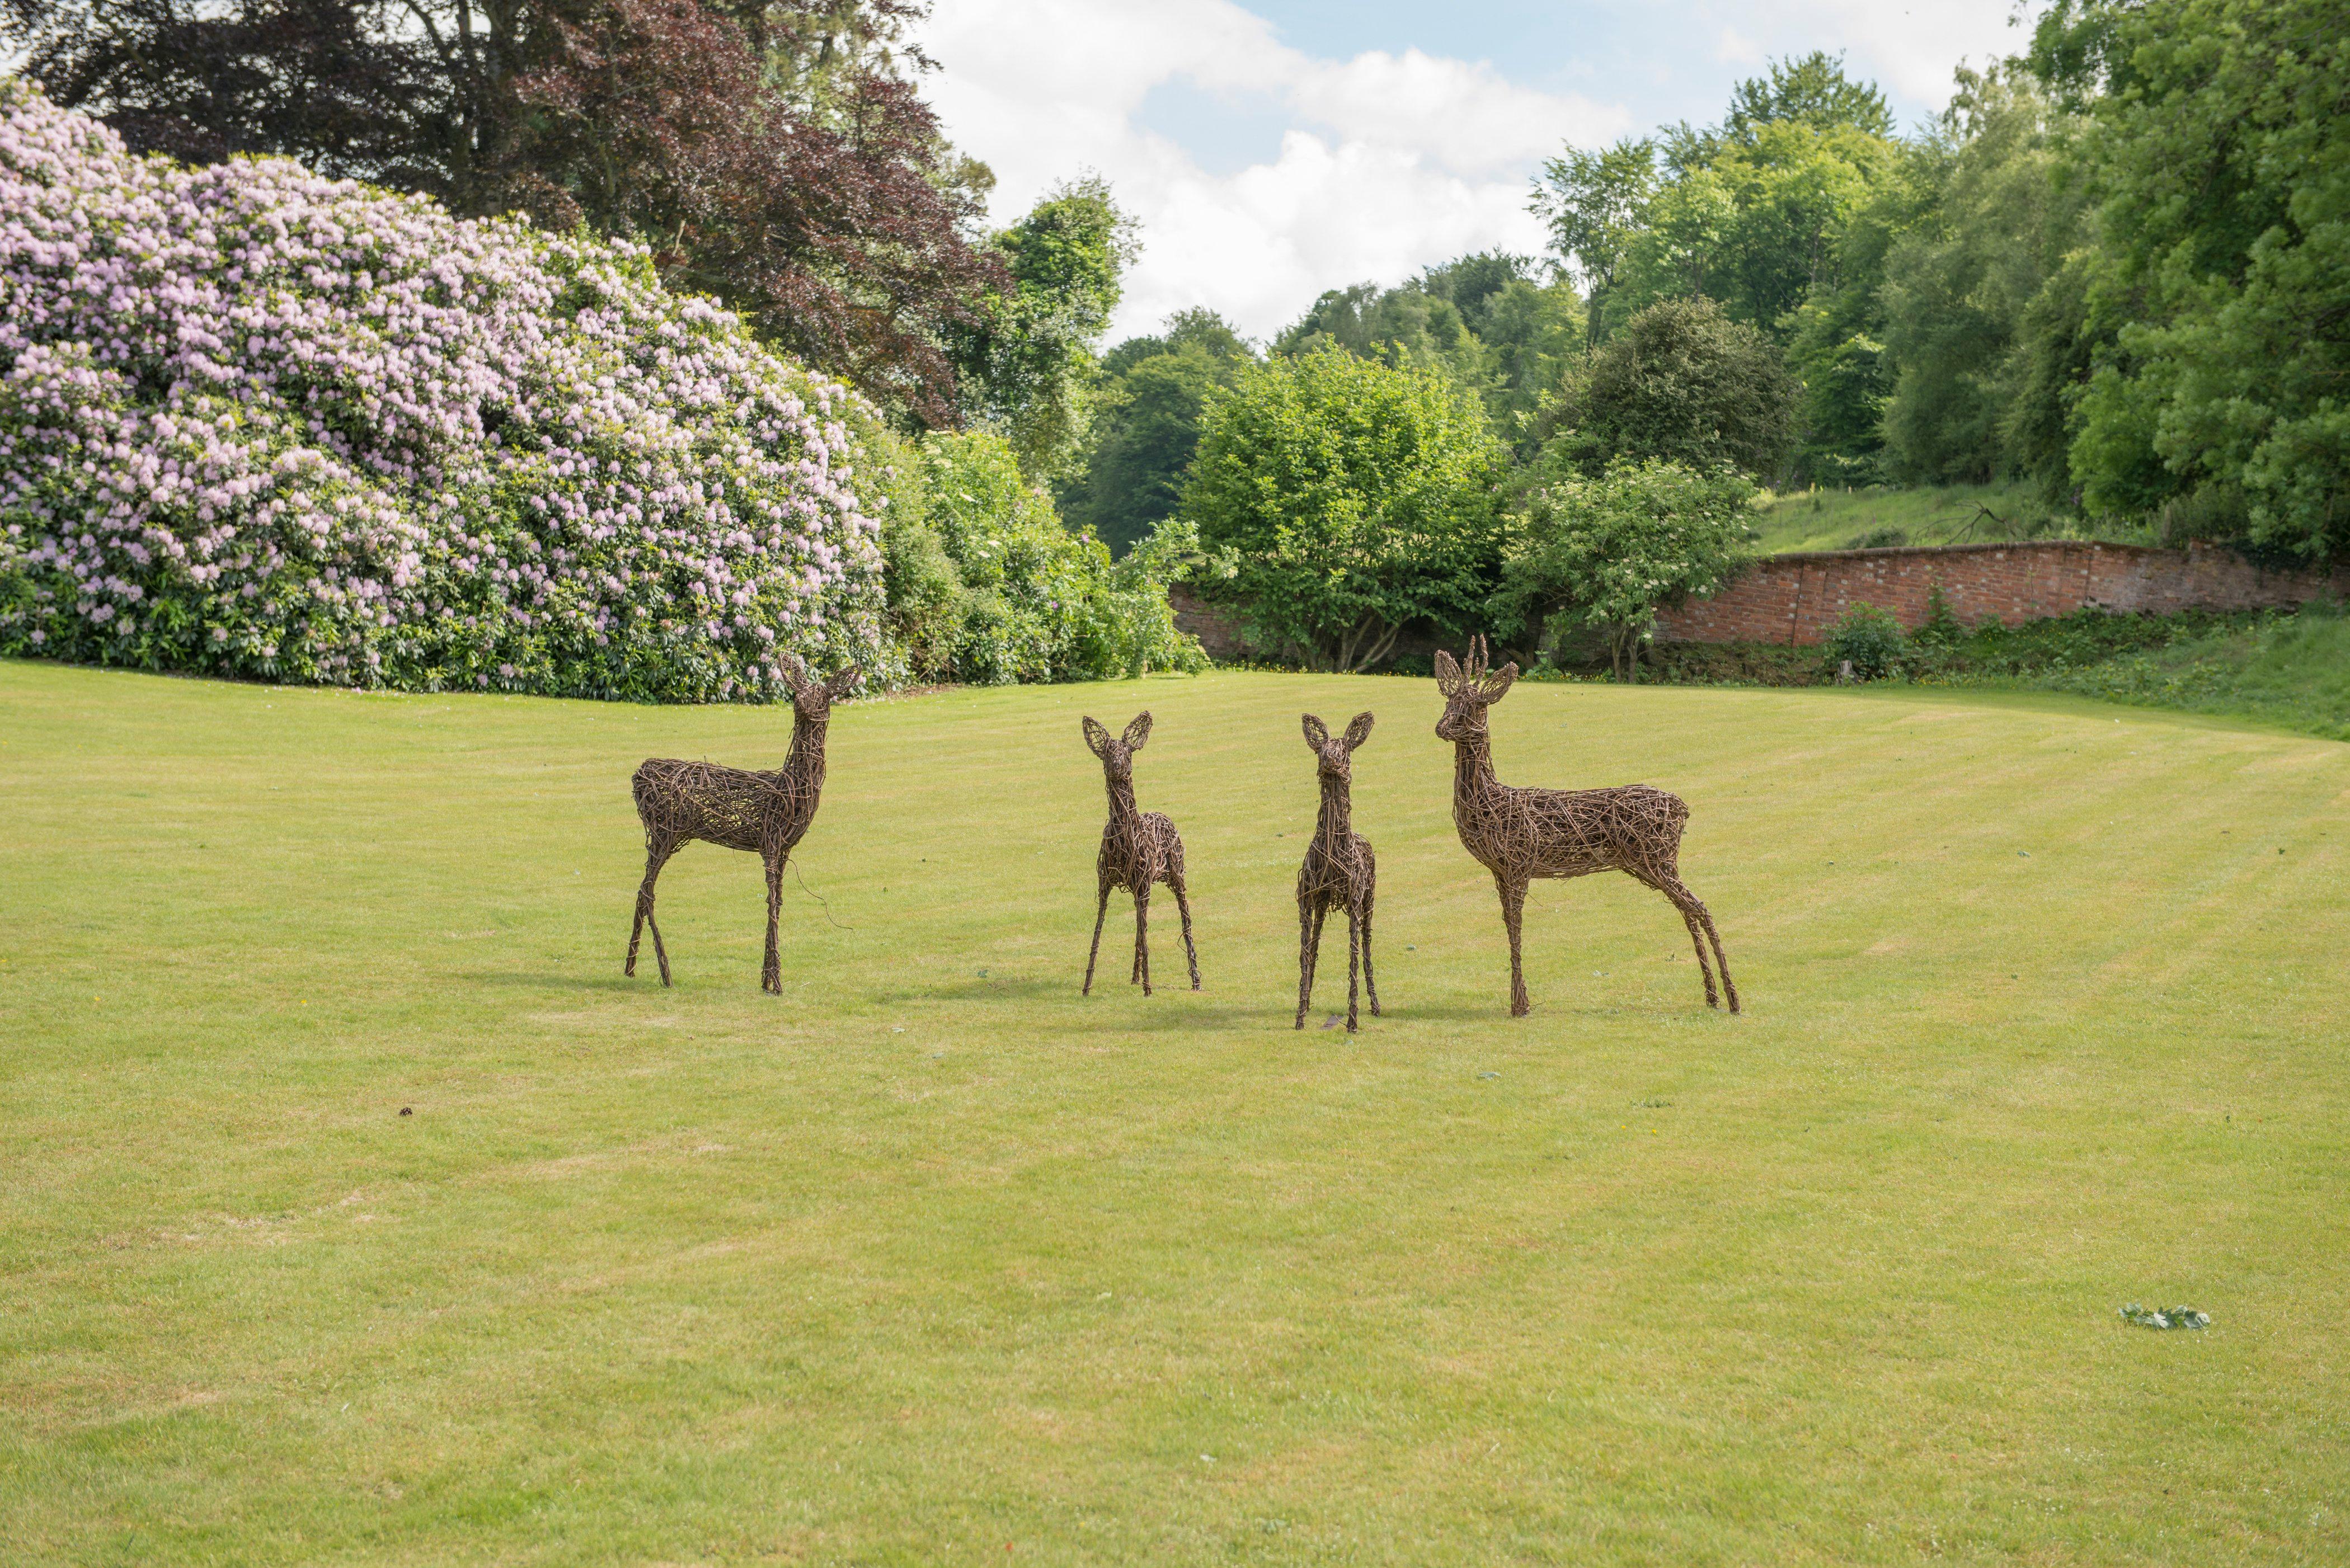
765,813
1138,848
1339,869
1521,833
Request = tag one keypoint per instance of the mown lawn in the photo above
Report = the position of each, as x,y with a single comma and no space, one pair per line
932,1261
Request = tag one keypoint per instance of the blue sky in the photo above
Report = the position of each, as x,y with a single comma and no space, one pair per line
1273,149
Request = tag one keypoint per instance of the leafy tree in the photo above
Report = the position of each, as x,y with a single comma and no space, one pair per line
1353,499
778,155
1027,362
1483,320
1596,204
1682,383
1399,327
1152,396
2218,304
1037,602
1606,554
1956,290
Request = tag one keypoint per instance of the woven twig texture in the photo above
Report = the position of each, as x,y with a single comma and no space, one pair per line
765,813
1340,872
1519,835
1139,848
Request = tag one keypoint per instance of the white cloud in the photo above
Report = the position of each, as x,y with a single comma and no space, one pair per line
1390,160
1909,45
1387,161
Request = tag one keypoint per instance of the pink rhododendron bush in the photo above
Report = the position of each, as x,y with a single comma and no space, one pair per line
260,423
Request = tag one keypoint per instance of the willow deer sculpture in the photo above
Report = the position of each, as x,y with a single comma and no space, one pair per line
1521,833
1139,848
765,813
1340,872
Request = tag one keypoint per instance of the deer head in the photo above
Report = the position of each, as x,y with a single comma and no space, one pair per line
813,699
1337,756
1116,751
1468,692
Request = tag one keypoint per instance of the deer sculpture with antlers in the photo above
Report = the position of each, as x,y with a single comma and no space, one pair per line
1340,872
765,813
1521,833
1139,848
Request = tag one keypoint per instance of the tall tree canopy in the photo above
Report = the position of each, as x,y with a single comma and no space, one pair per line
1487,322
777,154
1354,499
2216,305
1154,391
1026,356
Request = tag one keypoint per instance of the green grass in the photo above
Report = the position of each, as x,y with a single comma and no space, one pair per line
930,1257
2292,670
1931,515
2270,667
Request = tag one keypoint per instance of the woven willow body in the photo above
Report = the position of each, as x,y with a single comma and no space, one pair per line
1139,849
1340,872
766,814
1519,835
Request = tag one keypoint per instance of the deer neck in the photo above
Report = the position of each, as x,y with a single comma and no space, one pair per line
1472,768
1336,827
804,765
1122,809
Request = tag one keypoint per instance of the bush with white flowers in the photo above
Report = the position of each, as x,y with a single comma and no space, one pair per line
258,422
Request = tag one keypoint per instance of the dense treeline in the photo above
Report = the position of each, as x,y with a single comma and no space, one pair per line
2113,268
2116,267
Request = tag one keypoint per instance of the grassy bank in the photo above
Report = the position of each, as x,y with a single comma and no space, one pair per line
1934,515
931,1257
2290,670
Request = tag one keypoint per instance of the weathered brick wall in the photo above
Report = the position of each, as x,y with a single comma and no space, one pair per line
1793,600
1217,630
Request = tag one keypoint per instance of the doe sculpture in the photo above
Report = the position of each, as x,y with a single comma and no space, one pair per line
1138,849
1339,871
1521,833
765,813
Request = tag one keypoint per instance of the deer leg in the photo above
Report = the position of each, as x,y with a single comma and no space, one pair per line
1697,940
1705,918
1142,936
657,853
1369,984
1101,912
771,973
1513,907
1183,909
1321,913
1353,966
1304,958
1701,929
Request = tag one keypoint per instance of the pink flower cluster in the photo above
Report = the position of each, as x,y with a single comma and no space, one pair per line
258,423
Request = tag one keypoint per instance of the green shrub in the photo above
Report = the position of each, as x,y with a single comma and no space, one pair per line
1869,638
1026,600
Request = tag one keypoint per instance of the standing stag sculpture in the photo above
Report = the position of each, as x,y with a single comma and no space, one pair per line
1339,871
764,813
1138,849
1521,833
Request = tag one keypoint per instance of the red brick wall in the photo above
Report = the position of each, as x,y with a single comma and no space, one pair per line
1792,599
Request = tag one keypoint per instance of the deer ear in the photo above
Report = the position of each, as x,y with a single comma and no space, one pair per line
1358,731
1137,732
1096,738
795,675
1498,683
1317,733
1448,674
841,683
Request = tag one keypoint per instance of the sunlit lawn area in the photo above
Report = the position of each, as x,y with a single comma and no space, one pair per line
932,1261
